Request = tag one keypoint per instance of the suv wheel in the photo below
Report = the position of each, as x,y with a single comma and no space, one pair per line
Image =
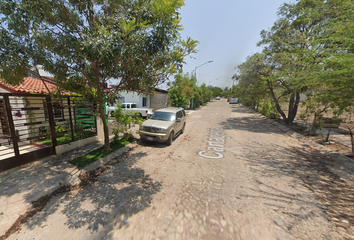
170,139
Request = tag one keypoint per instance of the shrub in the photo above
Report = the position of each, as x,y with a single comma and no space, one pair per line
268,109
123,120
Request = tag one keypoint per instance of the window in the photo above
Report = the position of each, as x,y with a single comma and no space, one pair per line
179,114
57,111
144,101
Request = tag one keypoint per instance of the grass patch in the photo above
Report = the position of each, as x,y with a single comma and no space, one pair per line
93,156
60,140
64,139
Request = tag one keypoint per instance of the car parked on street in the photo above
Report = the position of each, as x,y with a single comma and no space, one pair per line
233,101
163,125
217,98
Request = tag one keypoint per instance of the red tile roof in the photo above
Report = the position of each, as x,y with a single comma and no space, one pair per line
160,90
30,85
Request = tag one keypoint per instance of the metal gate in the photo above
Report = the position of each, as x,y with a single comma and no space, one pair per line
31,125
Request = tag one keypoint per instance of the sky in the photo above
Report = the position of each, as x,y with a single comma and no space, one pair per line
228,31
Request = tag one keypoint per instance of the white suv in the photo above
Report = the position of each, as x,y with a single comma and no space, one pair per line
163,125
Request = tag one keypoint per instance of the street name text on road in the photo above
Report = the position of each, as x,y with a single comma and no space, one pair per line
216,144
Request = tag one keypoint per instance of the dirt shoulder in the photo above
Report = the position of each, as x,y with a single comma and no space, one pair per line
320,136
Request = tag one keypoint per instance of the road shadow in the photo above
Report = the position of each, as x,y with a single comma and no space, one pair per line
250,124
36,192
308,169
241,109
117,187
152,144
39,178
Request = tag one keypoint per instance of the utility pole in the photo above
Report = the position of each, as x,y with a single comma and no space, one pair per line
195,77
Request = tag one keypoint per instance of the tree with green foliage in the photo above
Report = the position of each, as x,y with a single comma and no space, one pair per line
337,38
308,50
228,92
252,88
177,98
204,93
216,91
184,82
181,90
290,55
87,44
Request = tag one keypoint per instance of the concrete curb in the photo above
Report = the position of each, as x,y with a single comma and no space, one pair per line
99,163
74,174
342,166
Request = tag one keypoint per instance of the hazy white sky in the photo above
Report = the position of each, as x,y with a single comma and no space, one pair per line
228,32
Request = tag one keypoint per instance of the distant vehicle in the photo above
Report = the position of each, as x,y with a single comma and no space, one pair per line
233,101
217,98
163,125
144,112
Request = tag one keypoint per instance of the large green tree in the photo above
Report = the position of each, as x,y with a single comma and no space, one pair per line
308,50
205,93
177,98
183,82
333,86
86,44
252,78
290,54
337,39
216,91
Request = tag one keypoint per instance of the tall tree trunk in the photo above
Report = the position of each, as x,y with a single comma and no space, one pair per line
293,106
313,125
328,133
106,147
277,105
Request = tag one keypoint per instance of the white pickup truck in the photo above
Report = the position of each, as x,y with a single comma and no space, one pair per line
144,112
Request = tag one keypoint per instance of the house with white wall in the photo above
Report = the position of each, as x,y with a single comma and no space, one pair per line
142,100
156,100
21,118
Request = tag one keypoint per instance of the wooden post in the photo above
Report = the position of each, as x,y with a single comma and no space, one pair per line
71,121
11,125
51,120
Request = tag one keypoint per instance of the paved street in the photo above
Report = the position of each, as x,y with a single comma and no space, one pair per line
231,175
